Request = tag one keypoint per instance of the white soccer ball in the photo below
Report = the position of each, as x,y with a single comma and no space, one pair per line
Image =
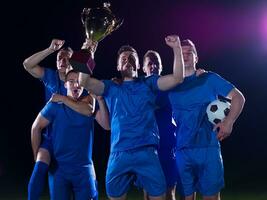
217,110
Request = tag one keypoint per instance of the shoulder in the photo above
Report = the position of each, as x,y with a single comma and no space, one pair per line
150,80
212,74
152,77
49,109
52,105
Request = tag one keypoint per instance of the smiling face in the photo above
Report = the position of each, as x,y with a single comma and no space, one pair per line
128,64
74,90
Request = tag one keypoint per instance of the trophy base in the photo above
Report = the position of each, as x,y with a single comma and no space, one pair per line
82,61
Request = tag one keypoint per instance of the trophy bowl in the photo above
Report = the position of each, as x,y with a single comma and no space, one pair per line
98,23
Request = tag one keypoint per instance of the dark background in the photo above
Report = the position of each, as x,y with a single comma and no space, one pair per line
231,39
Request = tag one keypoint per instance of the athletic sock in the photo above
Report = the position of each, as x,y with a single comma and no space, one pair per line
37,180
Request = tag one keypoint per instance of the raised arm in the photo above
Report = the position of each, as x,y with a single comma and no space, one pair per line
169,81
38,125
102,115
237,104
92,85
31,64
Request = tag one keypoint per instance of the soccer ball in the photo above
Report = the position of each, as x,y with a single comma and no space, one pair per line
217,110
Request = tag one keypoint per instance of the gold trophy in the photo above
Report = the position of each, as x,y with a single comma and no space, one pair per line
98,23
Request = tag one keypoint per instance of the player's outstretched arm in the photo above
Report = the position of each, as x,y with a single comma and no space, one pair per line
237,104
31,64
38,125
169,81
92,85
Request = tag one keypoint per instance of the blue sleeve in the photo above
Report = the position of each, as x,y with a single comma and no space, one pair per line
152,82
109,90
50,80
219,85
49,111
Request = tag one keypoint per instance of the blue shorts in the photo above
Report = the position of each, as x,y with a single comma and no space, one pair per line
168,163
78,181
199,170
139,165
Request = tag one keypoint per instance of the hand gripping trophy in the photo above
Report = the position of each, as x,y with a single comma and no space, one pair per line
98,23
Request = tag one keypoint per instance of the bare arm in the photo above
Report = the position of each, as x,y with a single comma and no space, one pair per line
237,104
31,64
85,106
92,85
169,81
38,125
102,115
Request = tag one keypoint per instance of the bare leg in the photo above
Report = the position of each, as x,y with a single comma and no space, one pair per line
162,197
123,197
146,197
214,197
37,180
170,194
43,156
191,197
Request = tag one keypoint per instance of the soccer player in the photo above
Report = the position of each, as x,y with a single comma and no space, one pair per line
72,142
198,156
53,81
152,65
134,132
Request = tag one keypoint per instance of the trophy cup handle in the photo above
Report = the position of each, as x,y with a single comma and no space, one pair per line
118,23
84,13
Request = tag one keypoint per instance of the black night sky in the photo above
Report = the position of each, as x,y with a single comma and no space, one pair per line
231,38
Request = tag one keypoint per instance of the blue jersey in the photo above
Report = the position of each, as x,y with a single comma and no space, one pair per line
163,114
189,101
52,83
131,106
72,136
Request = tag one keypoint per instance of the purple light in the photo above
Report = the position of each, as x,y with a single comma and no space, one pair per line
263,28
219,27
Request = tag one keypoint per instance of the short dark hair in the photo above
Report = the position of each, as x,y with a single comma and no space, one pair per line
154,57
126,48
188,42
70,71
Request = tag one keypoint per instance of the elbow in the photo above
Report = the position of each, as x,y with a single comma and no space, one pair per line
105,124
82,83
240,96
26,64
106,127
84,80
243,99
181,79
